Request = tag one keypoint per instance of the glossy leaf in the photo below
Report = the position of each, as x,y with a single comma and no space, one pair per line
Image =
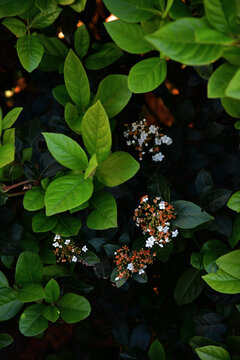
11,117
5,340
43,223
105,214
13,7
235,235
16,26
30,52
230,263
232,106
9,304
29,268
72,117
32,322
107,55
51,313
52,291
129,10
34,199
223,282
216,15
30,293
7,153
234,202
189,286
81,41
220,80
73,308
67,225
211,352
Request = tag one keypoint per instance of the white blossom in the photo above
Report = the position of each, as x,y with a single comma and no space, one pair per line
141,271
175,233
158,157
162,205
67,241
166,140
84,248
130,267
150,242
74,259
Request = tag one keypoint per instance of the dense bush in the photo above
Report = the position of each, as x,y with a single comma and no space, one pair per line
119,170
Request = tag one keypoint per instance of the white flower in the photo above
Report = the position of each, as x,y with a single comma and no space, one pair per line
117,278
158,141
166,140
74,258
161,245
67,241
84,248
152,129
56,244
151,150
130,267
162,205
134,126
165,229
158,157
57,237
175,233
150,242
129,142
145,198
125,134
133,141
167,239
141,271
160,228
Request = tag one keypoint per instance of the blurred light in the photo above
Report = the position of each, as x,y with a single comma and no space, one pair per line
155,289
10,103
183,66
8,93
61,35
111,18
80,23
17,89
175,91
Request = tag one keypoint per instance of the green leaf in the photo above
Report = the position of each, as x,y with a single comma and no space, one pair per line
89,258
179,10
45,18
34,199
189,287
13,7
51,313
54,55
232,55
114,94
67,192
5,340
55,271
7,153
117,168
216,15
189,215
230,263
31,292
232,106
11,117
43,223
196,260
32,322
9,304
223,282
235,235
66,151
29,268
61,95
73,308
220,80
105,214
80,207
30,52
92,166
9,137
212,353
81,41
234,202
79,5
96,132
129,37
67,225
72,117
3,280
46,4
199,341
156,351
210,36
147,75
76,80
130,10
52,291
107,55
167,8
177,40
16,26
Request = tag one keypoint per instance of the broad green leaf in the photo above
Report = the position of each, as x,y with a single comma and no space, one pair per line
79,5
189,215
209,261
67,225
34,199
230,263
29,268
107,55
81,41
216,15
220,80
114,94
235,235
210,36
80,207
189,287
199,341
66,151
96,132
232,106
13,7
51,313
30,52
105,214
3,280
54,55
32,322
67,192
117,168
9,304
11,117
234,202
55,271
211,352
61,95
129,37
179,10
232,54
43,223
147,75
46,4
214,245
130,10
73,308
72,117
52,291
232,89
76,80
9,137
45,18
167,8
177,40
30,293
5,340
16,26
92,166
7,153
196,260
223,282
156,351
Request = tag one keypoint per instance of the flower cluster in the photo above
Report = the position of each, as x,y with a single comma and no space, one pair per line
155,219
146,139
66,250
130,262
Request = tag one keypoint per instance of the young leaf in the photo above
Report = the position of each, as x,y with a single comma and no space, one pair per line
9,137
117,168
45,18
107,55
66,151
7,153
189,287
78,5
51,313
67,192
92,166
212,353
61,95
9,304
11,117
43,223
30,293
52,291
76,80
220,80
156,351
16,26
72,117
232,106
230,263
32,322
73,308
34,199
30,52
5,340
114,94
29,268
96,132
105,214
147,75
234,202
81,41
223,282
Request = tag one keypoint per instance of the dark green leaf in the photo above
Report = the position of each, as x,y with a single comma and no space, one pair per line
189,287
73,308
32,322
30,52
29,268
